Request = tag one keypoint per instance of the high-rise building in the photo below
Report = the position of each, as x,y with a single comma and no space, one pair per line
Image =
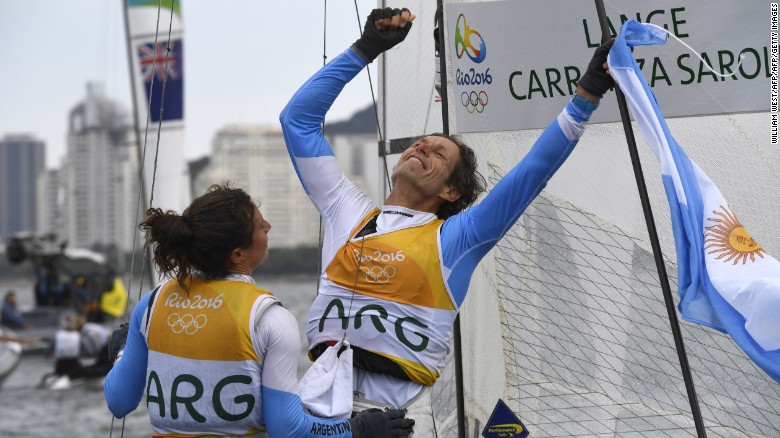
100,174
358,156
22,160
51,200
255,159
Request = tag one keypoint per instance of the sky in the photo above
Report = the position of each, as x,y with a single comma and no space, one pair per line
243,60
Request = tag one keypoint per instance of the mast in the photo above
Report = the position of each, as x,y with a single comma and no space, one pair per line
155,47
457,350
142,190
654,242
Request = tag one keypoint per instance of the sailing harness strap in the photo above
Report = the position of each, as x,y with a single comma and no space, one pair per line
364,359
149,306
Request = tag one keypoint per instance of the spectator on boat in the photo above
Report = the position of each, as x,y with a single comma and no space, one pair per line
394,277
10,316
218,352
78,341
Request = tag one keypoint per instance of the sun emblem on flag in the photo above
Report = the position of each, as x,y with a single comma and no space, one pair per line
728,238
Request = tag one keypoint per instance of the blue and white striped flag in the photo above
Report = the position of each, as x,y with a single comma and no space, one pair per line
726,280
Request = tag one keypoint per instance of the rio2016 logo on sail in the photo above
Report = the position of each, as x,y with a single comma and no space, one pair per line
465,40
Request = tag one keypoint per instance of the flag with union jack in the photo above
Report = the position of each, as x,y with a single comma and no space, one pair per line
163,64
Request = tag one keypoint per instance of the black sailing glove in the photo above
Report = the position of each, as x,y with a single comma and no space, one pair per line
376,423
375,41
596,80
117,341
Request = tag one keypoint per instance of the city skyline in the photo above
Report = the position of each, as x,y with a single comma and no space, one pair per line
259,64
91,199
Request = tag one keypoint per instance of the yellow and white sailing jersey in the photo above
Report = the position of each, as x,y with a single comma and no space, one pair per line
203,368
401,310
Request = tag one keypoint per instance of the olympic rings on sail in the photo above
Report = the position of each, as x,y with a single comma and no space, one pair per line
474,101
186,323
378,274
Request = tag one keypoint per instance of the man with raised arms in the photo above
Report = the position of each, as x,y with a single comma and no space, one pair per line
394,277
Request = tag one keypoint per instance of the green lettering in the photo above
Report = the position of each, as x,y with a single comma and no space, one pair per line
653,13
758,64
512,87
591,45
766,62
374,318
675,22
725,66
186,401
641,63
399,332
535,85
612,30
247,399
159,398
571,80
553,82
657,65
334,303
624,18
702,70
684,67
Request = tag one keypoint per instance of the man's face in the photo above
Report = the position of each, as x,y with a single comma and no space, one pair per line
427,165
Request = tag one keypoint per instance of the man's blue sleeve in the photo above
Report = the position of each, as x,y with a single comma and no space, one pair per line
302,118
284,416
124,384
468,236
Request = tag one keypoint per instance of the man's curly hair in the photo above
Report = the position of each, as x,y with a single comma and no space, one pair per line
464,178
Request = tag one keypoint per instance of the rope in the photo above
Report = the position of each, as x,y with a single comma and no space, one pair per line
157,146
143,158
376,111
387,175
705,63
324,61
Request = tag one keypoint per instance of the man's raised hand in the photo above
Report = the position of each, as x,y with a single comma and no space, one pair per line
384,29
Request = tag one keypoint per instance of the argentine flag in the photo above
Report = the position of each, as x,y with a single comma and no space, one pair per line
726,280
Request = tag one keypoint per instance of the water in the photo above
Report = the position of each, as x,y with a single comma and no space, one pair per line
26,411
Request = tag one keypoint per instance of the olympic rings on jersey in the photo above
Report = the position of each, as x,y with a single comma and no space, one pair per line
378,274
186,323
474,101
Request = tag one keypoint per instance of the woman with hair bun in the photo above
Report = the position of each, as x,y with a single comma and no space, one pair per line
215,353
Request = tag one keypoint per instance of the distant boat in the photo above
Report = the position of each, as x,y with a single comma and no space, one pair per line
10,355
73,280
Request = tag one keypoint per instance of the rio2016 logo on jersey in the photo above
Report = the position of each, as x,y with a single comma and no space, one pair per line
469,42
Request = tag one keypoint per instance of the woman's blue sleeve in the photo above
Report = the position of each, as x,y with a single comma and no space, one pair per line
124,384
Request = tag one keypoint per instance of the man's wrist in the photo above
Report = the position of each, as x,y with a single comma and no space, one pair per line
360,54
583,93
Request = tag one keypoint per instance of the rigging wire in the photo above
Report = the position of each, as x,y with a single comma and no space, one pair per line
704,63
142,172
362,233
376,112
143,157
320,242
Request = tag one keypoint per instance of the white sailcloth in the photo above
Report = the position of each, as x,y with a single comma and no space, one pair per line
158,75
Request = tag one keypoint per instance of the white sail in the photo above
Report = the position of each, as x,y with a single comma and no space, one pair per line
416,111
565,319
